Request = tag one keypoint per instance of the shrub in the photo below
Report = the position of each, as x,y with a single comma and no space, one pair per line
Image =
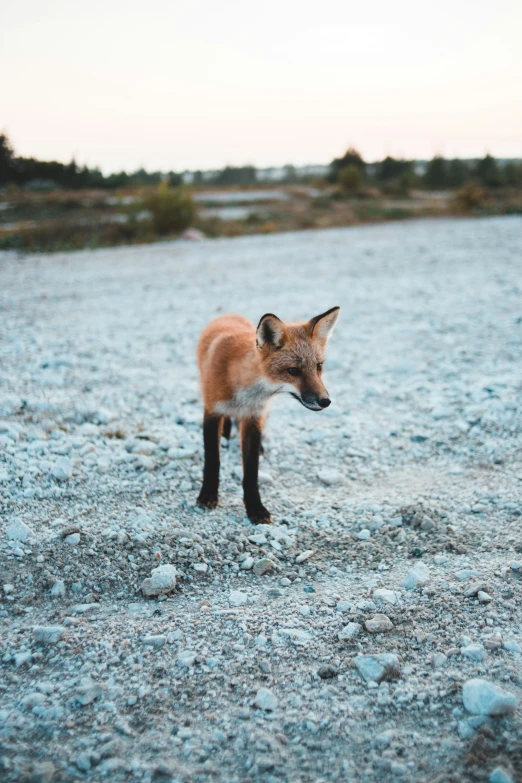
172,209
350,178
470,197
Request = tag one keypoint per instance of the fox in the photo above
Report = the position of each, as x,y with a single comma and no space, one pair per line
241,370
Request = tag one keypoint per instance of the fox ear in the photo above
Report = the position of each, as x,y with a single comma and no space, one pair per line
322,326
271,331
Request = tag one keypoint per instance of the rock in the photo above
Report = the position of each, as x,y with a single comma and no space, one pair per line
417,577
155,641
438,660
22,658
474,588
62,469
202,568
482,697
83,761
378,667
161,582
193,235
349,631
500,775
484,598
88,692
247,563
467,573
306,555
493,643
265,700
73,539
330,477
327,671
379,623
42,772
48,634
263,566
364,534
18,531
186,659
512,646
475,652
237,598
382,595
58,589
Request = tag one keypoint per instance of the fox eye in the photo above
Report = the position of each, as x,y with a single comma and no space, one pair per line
319,367
294,371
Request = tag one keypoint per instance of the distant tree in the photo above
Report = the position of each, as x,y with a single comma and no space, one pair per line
513,174
350,158
391,169
488,172
458,173
236,175
436,175
7,160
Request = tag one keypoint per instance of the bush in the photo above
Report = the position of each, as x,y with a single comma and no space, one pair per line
172,210
350,178
471,197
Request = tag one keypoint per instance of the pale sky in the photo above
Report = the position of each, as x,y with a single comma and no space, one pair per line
176,84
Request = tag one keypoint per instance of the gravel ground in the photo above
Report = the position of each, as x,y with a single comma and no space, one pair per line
397,513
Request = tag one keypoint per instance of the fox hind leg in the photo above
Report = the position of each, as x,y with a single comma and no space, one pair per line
212,428
227,427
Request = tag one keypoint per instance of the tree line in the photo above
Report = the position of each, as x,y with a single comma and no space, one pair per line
351,171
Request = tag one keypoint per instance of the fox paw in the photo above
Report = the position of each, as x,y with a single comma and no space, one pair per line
207,499
259,515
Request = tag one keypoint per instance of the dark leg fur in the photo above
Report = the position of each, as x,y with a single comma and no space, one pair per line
212,427
250,447
227,426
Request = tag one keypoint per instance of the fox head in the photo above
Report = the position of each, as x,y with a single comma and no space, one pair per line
293,355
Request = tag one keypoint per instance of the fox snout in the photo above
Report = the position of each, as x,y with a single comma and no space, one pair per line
314,402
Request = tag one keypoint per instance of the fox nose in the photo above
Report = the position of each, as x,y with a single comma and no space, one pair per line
324,402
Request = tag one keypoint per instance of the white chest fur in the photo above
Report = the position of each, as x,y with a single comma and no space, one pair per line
250,400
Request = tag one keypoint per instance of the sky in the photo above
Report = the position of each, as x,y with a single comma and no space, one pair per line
188,84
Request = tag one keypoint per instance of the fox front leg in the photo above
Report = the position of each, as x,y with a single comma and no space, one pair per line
250,449
212,427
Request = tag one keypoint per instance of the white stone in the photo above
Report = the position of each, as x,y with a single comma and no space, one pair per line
265,700
58,589
73,539
237,598
364,534
418,576
482,697
48,634
386,596
186,659
500,775
379,623
201,567
18,531
475,652
330,476
306,555
378,667
349,632
247,563
162,581
62,469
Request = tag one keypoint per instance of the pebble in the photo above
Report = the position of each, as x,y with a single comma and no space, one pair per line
484,598
500,775
417,577
306,555
512,646
247,563
379,623
327,671
263,566
62,469
330,477
378,667
202,568
474,589
349,631
161,582
265,700
237,598
364,534
155,641
73,539
18,531
186,659
49,634
475,652
482,697
386,596
58,589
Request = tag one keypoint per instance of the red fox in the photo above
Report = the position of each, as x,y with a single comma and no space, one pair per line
241,369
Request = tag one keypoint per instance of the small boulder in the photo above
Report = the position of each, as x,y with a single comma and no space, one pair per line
482,697
378,667
379,623
162,581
